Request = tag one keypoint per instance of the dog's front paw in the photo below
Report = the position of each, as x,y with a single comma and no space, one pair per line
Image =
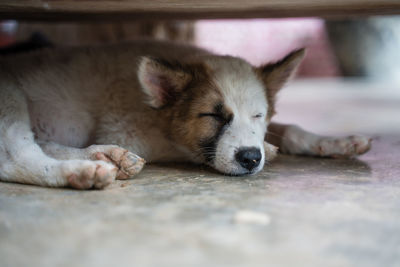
129,164
346,147
271,151
85,174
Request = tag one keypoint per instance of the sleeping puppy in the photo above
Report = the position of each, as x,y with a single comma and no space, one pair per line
85,116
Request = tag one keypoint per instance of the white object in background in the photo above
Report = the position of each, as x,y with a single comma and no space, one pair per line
252,217
9,26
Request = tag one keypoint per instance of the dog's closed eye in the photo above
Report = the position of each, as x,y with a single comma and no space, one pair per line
216,116
259,115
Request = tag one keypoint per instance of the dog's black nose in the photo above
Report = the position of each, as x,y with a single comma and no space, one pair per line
248,157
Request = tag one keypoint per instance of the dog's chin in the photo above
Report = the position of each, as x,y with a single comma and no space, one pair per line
233,169
236,171
244,173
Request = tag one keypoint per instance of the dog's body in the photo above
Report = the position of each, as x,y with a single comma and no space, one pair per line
83,117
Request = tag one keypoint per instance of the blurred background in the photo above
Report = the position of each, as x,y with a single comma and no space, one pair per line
363,47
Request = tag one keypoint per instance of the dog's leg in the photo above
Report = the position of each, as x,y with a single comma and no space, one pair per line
292,139
128,164
23,161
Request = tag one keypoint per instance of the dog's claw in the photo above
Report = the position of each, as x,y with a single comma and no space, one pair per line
129,164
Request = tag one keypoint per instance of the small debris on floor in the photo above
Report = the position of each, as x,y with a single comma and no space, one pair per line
251,217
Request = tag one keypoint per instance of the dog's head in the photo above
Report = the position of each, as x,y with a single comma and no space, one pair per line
217,108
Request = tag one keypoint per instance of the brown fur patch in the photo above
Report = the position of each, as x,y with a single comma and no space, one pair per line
185,123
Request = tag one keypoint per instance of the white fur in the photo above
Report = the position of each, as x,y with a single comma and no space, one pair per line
245,96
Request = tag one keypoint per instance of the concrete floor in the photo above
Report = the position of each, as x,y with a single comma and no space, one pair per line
306,211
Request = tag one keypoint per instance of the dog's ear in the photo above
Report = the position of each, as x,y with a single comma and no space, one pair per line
275,75
162,80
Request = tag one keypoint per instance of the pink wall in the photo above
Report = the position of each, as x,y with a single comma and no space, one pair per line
266,40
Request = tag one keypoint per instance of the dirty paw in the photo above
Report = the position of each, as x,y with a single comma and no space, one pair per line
343,147
128,163
84,174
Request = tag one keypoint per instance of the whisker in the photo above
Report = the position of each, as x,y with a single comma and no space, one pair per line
277,135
